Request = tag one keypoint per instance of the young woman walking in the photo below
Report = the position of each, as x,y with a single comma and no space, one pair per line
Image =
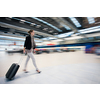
29,46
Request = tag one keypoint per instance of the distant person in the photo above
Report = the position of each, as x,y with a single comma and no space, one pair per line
29,46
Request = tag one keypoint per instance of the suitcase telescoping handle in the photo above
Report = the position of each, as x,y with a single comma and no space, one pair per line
20,61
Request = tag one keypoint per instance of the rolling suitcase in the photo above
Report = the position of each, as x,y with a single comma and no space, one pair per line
12,71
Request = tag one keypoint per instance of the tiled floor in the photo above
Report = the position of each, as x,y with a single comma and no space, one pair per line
66,74
68,70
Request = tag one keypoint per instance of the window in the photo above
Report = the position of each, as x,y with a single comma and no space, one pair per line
74,20
66,27
91,20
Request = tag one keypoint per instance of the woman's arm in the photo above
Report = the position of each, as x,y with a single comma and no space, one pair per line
34,44
24,45
25,42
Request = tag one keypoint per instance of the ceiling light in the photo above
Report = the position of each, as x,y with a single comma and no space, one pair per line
55,33
51,38
38,26
28,22
47,23
22,21
51,31
32,24
45,29
8,18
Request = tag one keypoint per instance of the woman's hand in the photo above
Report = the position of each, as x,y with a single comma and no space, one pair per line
34,51
24,50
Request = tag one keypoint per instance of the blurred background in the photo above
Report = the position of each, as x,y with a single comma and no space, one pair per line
52,34
59,40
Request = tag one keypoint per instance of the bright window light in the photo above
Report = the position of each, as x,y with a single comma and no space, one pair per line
96,27
49,38
92,29
91,20
65,34
74,20
66,27
47,24
88,31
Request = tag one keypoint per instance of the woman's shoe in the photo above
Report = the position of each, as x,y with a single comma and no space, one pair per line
38,71
25,71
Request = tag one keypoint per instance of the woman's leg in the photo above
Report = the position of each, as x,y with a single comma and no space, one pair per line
28,57
33,60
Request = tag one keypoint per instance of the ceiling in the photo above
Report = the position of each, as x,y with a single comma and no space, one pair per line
47,26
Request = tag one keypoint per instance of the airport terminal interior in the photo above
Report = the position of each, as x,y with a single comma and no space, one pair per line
67,49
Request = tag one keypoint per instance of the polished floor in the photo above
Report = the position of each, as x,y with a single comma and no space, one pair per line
57,68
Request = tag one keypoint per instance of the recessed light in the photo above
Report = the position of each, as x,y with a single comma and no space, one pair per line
55,33
32,24
51,31
45,29
22,21
8,18
38,26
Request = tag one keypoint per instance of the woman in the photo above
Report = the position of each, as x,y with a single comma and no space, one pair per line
29,45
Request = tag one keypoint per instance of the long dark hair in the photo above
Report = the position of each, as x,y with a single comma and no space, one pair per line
30,31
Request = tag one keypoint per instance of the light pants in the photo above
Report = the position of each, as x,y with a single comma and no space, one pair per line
30,55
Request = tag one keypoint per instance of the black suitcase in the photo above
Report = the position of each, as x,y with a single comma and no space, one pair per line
12,71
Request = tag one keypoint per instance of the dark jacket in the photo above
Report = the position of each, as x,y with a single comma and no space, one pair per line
28,44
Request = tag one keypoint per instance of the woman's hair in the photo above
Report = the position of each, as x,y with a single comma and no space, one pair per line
30,31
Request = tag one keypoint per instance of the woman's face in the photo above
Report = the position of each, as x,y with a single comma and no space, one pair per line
32,33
